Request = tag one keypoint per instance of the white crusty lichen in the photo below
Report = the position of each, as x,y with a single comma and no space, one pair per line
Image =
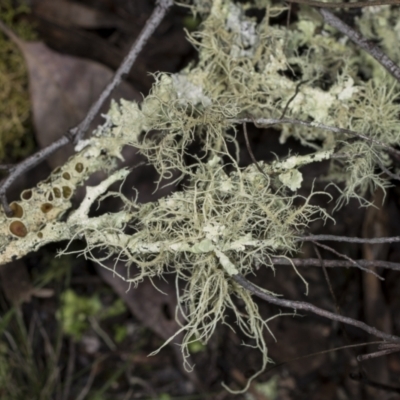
226,219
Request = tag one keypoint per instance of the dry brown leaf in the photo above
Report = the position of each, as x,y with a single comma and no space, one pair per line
62,89
16,282
69,13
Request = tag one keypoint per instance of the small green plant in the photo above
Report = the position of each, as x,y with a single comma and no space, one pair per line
75,312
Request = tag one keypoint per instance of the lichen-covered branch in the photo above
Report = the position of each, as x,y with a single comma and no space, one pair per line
76,134
361,41
301,305
227,220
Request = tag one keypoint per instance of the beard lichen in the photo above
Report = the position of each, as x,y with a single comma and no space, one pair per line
226,220
218,226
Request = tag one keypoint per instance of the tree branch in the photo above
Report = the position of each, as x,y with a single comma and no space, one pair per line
246,138
264,122
356,4
301,305
362,42
341,255
26,165
75,134
315,262
334,238
151,25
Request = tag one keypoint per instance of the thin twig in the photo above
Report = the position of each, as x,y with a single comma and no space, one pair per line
26,165
6,167
388,172
383,346
75,134
362,42
263,122
292,98
356,4
334,238
246,138
301,305
97,328
317,353
334,298
314,262
376,354
341,255
326,276
148,30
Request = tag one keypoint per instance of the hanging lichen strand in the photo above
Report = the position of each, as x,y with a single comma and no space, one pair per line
221,223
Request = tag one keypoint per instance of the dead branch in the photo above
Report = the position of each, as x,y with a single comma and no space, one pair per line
334,238
315,262
264,122
341,255
356,4
302,305
362,42
75,134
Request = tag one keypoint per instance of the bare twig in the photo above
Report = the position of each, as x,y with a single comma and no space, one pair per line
263,122
326,276
98,329
151,25
292,98
341,255
301,305
26,165
377,354
315,262
356,4
75,134
246,138
362,42
388,172
384,345
334,238
317,353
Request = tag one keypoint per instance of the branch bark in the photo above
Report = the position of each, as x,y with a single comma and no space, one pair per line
75,134
356,4
301,305
315,262
361,41
264,122
334,238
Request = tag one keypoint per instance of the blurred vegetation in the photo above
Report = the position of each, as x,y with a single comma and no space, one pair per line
76,312
38,359
16,132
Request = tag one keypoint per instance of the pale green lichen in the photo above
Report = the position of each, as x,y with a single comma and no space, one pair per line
226,219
